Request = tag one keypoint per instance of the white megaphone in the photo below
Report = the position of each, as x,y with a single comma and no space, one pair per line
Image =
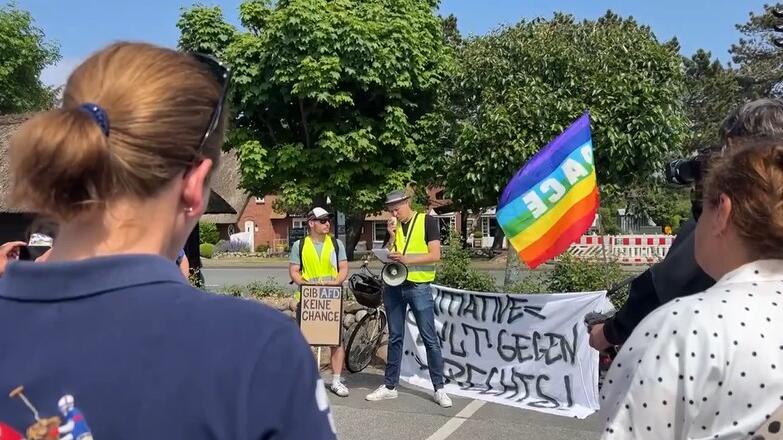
393,274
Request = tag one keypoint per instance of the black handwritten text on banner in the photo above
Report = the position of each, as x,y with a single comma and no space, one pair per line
528,351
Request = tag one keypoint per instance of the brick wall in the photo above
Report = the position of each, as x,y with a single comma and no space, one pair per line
267,223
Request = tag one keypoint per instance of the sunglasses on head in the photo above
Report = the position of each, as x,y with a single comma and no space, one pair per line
223,76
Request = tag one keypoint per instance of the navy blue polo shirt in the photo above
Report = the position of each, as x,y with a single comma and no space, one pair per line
129,350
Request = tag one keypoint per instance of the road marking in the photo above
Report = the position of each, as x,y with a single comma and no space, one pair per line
455,422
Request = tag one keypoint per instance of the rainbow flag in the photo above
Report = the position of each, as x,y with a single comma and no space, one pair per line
553,199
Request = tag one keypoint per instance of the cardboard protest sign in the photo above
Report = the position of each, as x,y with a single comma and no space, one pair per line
321,314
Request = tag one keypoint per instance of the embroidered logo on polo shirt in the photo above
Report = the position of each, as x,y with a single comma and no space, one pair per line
69,425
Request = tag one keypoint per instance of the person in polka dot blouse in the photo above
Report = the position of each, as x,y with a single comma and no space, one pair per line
710,365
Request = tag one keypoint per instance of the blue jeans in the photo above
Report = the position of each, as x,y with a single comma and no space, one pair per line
419,298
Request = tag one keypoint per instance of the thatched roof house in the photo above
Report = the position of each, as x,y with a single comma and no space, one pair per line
8,124
225,182
14,224
224,204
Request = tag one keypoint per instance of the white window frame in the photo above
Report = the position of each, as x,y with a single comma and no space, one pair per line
260,200
485,226
300,221
375,237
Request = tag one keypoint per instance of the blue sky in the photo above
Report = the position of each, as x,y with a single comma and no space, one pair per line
82,26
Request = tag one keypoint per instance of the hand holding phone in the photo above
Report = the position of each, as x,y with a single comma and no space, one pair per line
8,252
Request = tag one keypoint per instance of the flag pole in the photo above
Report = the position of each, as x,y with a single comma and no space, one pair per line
603,251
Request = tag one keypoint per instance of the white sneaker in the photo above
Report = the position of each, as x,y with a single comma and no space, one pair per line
382,393
339,388
442,399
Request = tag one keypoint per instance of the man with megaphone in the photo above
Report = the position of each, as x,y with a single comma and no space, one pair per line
414,241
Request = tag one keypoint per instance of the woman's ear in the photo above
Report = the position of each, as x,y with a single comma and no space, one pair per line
195,180
723,214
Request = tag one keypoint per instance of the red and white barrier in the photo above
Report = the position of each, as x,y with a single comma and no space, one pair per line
625,249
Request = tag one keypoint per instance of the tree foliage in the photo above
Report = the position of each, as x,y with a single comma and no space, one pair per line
456,271
333,98
519,87
711,92
208,233
24,53
758,58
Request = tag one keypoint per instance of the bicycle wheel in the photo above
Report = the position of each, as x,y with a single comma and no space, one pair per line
364,341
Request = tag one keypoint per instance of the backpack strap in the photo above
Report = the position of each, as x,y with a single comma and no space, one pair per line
301,260
336,246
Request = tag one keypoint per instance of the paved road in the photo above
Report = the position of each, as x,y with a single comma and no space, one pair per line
414,416
217,277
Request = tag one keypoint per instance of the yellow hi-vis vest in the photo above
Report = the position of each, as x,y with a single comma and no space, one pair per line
318,268
415,244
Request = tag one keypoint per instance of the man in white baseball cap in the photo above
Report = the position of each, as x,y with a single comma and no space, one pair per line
320,258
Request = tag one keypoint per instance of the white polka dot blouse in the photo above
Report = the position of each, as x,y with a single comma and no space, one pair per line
704,366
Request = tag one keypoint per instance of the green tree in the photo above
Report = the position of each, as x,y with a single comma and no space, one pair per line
334,99
711,92
208,232
451,32
456,271
758,58
663,204
24,53
519,87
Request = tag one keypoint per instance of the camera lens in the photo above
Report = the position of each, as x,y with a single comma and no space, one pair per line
682,171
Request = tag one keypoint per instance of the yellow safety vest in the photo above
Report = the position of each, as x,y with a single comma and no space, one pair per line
317,268
415,244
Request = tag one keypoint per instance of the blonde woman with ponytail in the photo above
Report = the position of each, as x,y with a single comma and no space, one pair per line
107,335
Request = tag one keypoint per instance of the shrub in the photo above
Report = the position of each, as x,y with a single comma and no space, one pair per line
208,233
533,283
206,250
269,288
608,219
233,290
224,246
262,248
196,278
574,274
259,290
455,269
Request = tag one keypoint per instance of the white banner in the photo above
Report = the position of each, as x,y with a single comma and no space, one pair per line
527,351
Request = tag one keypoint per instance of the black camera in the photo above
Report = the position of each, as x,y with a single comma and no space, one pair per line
690,171
683,171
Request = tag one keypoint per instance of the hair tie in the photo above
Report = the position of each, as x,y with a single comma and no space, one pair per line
98,115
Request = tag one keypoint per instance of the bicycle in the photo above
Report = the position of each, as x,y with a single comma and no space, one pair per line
367,335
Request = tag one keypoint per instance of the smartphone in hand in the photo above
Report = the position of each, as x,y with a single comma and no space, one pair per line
31,253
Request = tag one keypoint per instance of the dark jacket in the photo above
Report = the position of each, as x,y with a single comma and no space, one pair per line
677,275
